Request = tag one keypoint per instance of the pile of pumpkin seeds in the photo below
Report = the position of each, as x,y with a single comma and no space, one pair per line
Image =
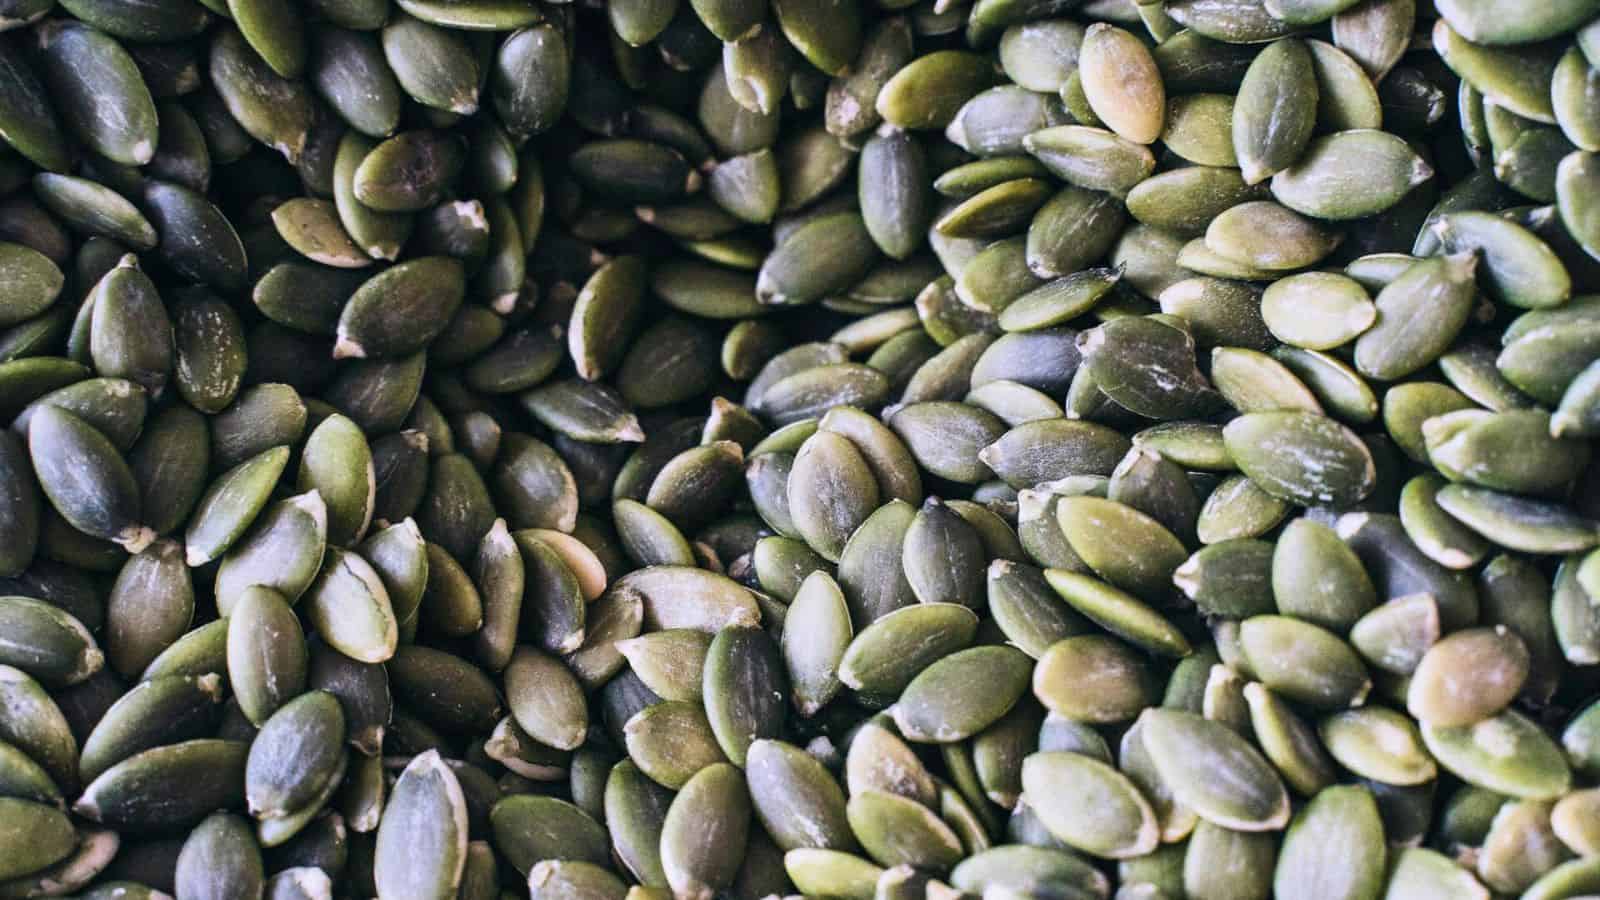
861,449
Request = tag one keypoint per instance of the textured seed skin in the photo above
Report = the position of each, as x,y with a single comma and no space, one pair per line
422,840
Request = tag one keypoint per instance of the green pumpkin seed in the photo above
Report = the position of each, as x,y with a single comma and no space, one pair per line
1061,786
1505,753
1269,447
1304,662
422,838
1335,840
1118,612
1275,111
927,92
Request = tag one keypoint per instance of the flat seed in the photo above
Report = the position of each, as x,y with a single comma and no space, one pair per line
1238,508
1119,613
1461,441
1270,237
1123,545
851,100
887,654
896,830
1488,22
832,873
1229,578
1337,841
1396,636
1187,750
1093,678
1304,662
177,783
1515,78
1302,457
671,741
1378,743
1275,111
1072,230
1347,98
422,840
1519,523
704,833
821,257
818,612
283,551
927,92
1122,83
1506,753
1286,740
298,751
1448,690
635,809
1146,366
266,652
1061,786
1435,531
962,694
401,309
1398,569
796,799
84,67
1322,182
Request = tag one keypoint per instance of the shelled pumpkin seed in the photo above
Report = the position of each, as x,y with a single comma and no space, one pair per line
610,451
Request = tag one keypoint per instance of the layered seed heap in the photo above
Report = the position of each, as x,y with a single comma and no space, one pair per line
859,449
